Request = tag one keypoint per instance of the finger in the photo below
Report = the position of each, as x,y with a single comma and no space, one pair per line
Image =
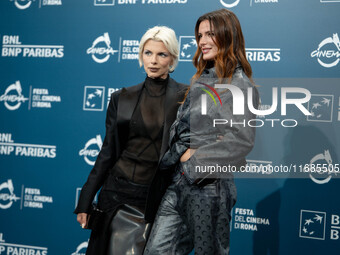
81,218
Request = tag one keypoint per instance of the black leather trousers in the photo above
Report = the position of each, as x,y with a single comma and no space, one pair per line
193,217
128,232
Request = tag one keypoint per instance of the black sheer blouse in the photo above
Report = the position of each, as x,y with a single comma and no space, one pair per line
139,160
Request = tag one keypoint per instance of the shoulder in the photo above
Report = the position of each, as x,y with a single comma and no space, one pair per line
241,80
115,95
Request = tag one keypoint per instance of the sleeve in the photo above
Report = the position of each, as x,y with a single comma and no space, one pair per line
105,160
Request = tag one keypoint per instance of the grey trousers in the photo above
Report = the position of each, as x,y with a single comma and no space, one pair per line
128,232
193,217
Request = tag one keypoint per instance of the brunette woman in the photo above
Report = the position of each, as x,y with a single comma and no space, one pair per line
195,211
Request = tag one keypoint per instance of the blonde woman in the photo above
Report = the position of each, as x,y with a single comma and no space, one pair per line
137,131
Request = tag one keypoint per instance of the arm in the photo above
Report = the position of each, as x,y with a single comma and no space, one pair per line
105,160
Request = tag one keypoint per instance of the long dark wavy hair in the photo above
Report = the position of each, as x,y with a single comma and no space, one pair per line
229,41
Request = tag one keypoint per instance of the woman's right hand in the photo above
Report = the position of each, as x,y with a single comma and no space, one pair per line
82,218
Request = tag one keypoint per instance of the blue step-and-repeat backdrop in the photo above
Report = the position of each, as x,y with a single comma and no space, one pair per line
60,61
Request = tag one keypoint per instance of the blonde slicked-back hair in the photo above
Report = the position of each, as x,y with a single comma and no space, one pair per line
165,35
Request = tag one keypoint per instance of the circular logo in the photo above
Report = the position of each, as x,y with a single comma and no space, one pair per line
20,4
6,199
321,177
88,153
13,96
328,52
229,5
101,49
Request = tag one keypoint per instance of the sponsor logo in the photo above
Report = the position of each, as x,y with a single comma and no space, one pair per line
130,49
91,150
93,98
13,97
101,49
245,219
322,177
12,47
321,108
10,248
7,199
335,227
263,54
312,224
328,52
104,2
81,249
263,2
229,3
30,197
50,2
34,199
24,4
9,147
41,98
160,1
38,97
188,47
112,2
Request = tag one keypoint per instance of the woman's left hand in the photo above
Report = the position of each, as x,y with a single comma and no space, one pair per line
187,154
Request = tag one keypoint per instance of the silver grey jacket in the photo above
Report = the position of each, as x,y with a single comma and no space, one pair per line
220,137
